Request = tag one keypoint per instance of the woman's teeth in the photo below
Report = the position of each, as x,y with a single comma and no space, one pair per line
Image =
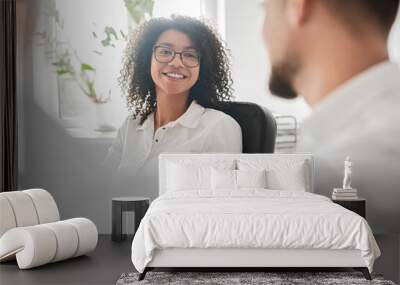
174,75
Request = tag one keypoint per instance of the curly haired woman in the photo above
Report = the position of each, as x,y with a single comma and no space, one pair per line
175,69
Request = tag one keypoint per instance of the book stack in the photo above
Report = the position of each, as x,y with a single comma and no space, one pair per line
286,135
344,194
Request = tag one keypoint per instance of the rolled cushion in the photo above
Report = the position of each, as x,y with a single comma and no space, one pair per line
7,218
67,240
33,246
46,207
26,208
37,245
23,208
87,233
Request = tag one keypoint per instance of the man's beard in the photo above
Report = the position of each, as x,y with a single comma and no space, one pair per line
281,80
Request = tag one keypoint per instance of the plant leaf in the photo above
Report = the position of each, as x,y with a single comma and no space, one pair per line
110,31
86,67
105,42
62,72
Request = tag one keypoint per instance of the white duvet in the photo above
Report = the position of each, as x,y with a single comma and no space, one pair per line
252,218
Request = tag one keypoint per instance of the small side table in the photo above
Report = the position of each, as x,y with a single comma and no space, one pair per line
358,206
139,205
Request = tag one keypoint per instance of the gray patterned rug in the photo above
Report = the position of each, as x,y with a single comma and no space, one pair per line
268,278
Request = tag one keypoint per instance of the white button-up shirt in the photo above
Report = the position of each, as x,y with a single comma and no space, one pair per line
361,119
134,153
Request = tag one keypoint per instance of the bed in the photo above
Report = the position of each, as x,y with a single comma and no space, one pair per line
247,211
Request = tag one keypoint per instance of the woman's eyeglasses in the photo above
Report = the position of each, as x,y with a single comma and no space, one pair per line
165,54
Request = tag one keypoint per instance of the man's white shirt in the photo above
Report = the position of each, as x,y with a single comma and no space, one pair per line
361,119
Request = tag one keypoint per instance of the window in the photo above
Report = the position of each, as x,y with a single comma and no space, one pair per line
192,8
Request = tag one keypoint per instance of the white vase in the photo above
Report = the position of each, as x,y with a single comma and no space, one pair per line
102,120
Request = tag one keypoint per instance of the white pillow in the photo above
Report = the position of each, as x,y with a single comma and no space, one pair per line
237,179
291,179
187,174
223,179
285,174
251,178
183,177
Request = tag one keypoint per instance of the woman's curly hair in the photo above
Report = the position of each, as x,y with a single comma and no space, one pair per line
214,84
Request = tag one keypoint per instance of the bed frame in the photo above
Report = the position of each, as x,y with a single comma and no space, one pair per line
248,259
260,259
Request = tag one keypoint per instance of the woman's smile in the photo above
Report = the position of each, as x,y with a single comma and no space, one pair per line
174,76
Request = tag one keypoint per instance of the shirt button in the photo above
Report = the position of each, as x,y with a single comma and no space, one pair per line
156,140
163,128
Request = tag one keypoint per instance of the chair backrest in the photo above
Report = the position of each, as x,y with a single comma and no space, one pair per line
257,123
26,208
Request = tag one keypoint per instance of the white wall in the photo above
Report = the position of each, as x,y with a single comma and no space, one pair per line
67,166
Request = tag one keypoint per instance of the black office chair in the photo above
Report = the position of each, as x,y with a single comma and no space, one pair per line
257,123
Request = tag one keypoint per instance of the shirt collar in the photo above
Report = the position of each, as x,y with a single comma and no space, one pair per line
190,119
352,96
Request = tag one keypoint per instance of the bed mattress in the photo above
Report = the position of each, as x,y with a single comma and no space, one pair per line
250,219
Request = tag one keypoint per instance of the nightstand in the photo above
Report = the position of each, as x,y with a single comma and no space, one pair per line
139,205
358,206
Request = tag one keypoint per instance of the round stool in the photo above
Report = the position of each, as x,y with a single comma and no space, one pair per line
139,205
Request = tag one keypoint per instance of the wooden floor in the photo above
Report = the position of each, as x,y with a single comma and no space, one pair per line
102,266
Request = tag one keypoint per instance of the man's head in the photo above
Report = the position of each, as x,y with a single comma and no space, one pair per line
297,30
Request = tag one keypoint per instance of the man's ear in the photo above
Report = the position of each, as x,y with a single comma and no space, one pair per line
299,11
